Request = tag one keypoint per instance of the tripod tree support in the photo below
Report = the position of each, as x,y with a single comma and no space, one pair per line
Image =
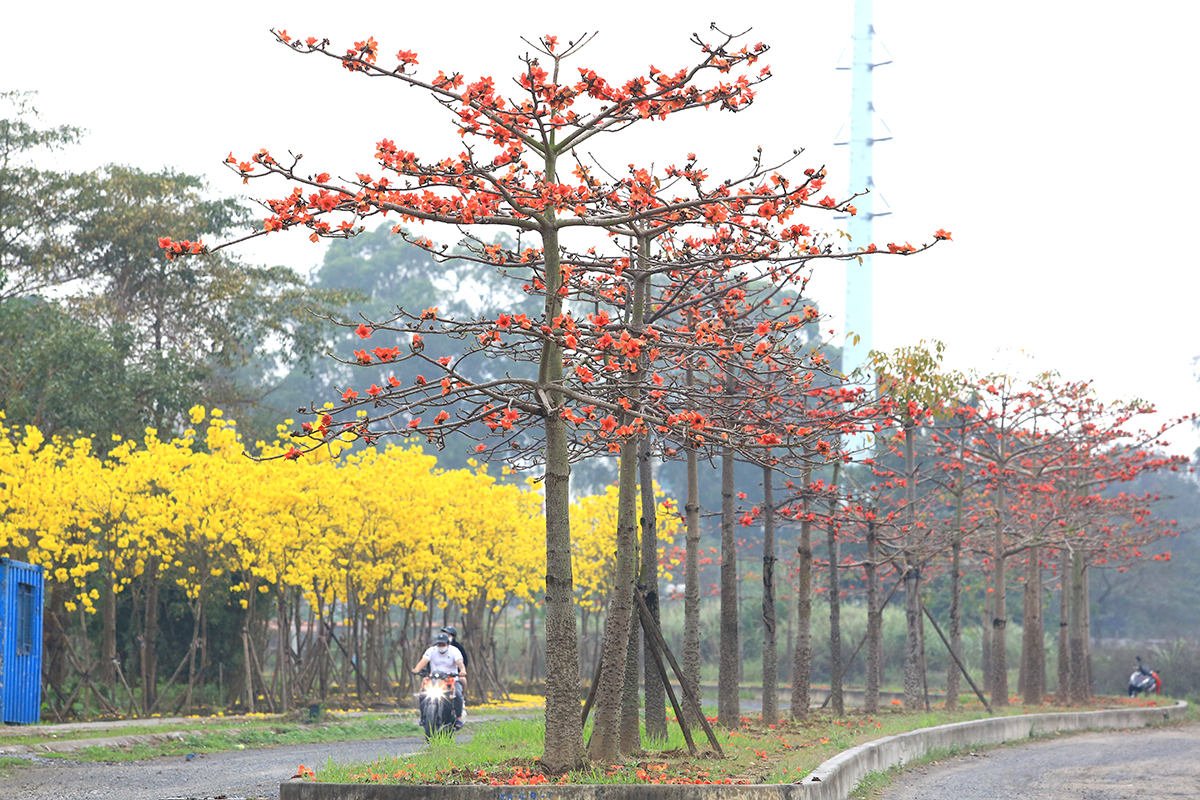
656,638
954,655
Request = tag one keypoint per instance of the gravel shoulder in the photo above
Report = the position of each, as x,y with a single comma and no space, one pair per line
1146,763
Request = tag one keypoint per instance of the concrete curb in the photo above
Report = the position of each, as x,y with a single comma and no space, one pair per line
832,780
837,777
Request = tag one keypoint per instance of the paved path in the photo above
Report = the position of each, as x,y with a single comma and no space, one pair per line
1158,763
245,773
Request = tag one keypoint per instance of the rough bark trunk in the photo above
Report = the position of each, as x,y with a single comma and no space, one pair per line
1033,653
802,655
532,643
874,623
630,733
108,636
564,731
54,637
770,677
656,696
605,745
1088,678
1064,624
616,697
149,643
985,641
197,614
999,605
691,586
835,607
953,677
728,703
913,676
282,647
1080,690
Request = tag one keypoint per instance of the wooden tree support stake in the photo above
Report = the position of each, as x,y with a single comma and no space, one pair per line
662,673
657,637
591,698
862,641
950,650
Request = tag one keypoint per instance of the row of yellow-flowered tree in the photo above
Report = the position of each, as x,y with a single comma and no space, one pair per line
301,578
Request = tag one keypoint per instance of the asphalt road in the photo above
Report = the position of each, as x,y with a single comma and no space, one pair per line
246,773
1156,763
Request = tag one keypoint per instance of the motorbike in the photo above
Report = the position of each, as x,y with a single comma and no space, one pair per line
436,701
1145,680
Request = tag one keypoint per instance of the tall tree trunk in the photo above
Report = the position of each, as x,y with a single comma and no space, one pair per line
656,695
691,586
953,677
564,730
913,677
533,643
197,622
1088,678
1064,625
1080,689
108,635
618,668
1033,653
54,637
605,745
985,639
282,648
874,621
770,676
728,703
999,604
630,732
835,605
802,655
149,643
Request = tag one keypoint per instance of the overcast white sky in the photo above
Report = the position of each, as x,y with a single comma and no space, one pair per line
1056,140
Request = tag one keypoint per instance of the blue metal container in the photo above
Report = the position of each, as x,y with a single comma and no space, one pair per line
21,600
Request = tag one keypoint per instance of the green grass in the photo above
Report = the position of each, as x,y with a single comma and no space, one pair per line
8,766
254,735
509,751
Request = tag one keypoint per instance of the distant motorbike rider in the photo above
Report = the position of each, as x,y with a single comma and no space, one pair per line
1144,680
448,660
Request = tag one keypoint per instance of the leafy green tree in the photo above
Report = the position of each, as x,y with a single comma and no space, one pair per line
36,205
67,377
206,330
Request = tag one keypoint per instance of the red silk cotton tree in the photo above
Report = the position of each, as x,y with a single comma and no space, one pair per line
1031,444
584,393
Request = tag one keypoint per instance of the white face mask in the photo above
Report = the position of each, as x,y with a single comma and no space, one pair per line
443,648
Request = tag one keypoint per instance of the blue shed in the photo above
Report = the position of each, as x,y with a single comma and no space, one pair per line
21,600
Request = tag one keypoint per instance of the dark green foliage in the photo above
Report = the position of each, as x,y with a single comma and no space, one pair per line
36,205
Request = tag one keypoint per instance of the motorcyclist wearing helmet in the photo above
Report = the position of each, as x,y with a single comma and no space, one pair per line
452,632
447,659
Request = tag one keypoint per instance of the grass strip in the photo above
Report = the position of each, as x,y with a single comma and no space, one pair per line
250,736
507,753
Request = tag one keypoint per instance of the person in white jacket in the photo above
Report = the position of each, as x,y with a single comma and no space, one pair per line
448,660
